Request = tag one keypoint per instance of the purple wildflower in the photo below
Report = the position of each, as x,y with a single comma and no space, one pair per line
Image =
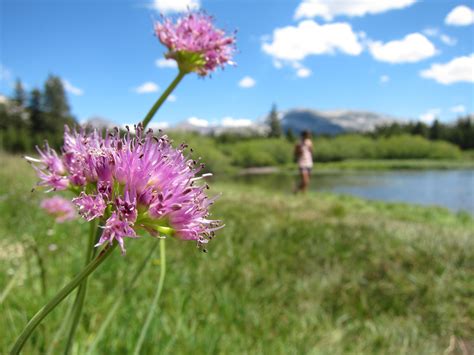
60,208
195,43
132,183
90,207
117,229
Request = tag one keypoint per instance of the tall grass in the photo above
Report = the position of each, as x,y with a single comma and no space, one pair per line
306,274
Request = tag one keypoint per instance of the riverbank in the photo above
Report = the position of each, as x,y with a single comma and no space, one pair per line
368,164
319,273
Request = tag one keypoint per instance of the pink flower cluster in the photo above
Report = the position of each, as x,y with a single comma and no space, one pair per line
60,208
130,183
195,43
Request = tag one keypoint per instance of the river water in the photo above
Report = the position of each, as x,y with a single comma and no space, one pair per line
453,189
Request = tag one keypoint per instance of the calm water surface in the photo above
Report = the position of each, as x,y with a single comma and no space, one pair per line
453,189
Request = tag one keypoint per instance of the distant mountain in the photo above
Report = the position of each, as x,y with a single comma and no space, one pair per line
318,122
242,127
333,122
97,122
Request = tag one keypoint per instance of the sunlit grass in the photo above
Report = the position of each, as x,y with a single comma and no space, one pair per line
307,274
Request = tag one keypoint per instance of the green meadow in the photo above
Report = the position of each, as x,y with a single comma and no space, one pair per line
313,274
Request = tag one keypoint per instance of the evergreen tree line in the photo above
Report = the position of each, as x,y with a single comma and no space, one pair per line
29,118
460,133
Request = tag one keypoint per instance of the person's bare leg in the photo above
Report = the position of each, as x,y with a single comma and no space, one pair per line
304,180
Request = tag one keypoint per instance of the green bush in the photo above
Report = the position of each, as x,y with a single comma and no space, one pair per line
394,147
214,160
415,147
444,150
260,152
343,147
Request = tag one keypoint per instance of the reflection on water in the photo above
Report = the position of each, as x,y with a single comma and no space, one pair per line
453,189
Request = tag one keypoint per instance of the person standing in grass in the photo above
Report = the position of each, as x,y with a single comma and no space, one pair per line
304,158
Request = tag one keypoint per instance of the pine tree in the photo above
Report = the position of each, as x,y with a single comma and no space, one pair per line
435,130
55,100
290,136
19,96
274,123
36,113
420,129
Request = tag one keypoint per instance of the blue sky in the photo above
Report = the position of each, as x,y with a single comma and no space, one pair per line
406,58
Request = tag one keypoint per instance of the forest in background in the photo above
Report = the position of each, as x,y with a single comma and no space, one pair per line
29,118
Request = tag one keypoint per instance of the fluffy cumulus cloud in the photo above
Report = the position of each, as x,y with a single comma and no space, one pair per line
166,63
429,116
328,9
236,122
170,6
410,49
71,88
247,82
199,122
460,16
294,43
460,69
147,88
172,98
458,109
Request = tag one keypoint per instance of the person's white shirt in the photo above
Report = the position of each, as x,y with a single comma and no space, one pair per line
305,159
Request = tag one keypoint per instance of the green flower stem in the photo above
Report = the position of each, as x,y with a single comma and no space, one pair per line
57,336
131,283
162,98
156,298
61,295
40,261
82,290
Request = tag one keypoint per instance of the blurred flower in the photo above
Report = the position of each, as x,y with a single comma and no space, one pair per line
195,44
60,208
130,183
52,247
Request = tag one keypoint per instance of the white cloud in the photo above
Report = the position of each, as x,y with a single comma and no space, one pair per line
412,48
429,116
158,125
71,88
460,16
328,9
199,122
277,64
457,70
303,72
172,98
166,63
294,43
458,109
431,32
436,33
170,6
236,122
147,88
450,41
3,99
5,73
384,79
247,82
